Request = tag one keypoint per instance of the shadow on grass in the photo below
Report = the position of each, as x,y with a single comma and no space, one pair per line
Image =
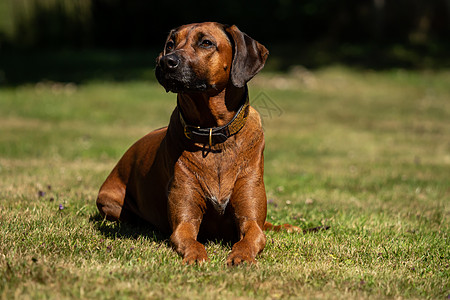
122,230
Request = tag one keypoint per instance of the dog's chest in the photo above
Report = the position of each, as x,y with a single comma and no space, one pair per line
216,175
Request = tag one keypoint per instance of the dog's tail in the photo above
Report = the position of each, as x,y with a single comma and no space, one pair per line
291,228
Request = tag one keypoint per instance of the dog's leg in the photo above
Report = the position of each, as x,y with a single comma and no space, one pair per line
184,241
250,209
111,197
252,242
185,212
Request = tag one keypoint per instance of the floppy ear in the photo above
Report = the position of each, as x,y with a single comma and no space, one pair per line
249,57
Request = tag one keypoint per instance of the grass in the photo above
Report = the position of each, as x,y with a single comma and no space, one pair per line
366,153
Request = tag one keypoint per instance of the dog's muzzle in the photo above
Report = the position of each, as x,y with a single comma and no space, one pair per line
176,75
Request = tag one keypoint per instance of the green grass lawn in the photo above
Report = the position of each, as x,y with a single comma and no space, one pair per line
366,153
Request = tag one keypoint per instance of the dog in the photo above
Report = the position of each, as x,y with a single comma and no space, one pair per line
201,177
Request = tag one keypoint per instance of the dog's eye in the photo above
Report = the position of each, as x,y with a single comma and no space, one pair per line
206,43
169,46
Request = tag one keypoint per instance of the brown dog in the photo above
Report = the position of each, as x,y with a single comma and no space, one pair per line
202,176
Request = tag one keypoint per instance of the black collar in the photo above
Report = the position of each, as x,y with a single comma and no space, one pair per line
215,135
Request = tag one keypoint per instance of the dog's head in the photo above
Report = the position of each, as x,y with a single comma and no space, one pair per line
205,57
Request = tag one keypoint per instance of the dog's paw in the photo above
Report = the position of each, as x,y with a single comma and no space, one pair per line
195,254
238,257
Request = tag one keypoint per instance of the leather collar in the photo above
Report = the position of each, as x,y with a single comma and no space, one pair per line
216,135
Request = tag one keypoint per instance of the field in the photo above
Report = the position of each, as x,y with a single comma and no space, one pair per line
366,153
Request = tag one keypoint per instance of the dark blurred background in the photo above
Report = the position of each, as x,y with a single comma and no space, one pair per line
77,40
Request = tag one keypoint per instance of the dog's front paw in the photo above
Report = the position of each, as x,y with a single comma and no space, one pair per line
196,253
240,254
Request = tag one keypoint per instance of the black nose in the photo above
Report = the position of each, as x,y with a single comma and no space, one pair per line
170,62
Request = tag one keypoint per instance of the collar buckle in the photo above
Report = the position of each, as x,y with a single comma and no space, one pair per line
210,137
